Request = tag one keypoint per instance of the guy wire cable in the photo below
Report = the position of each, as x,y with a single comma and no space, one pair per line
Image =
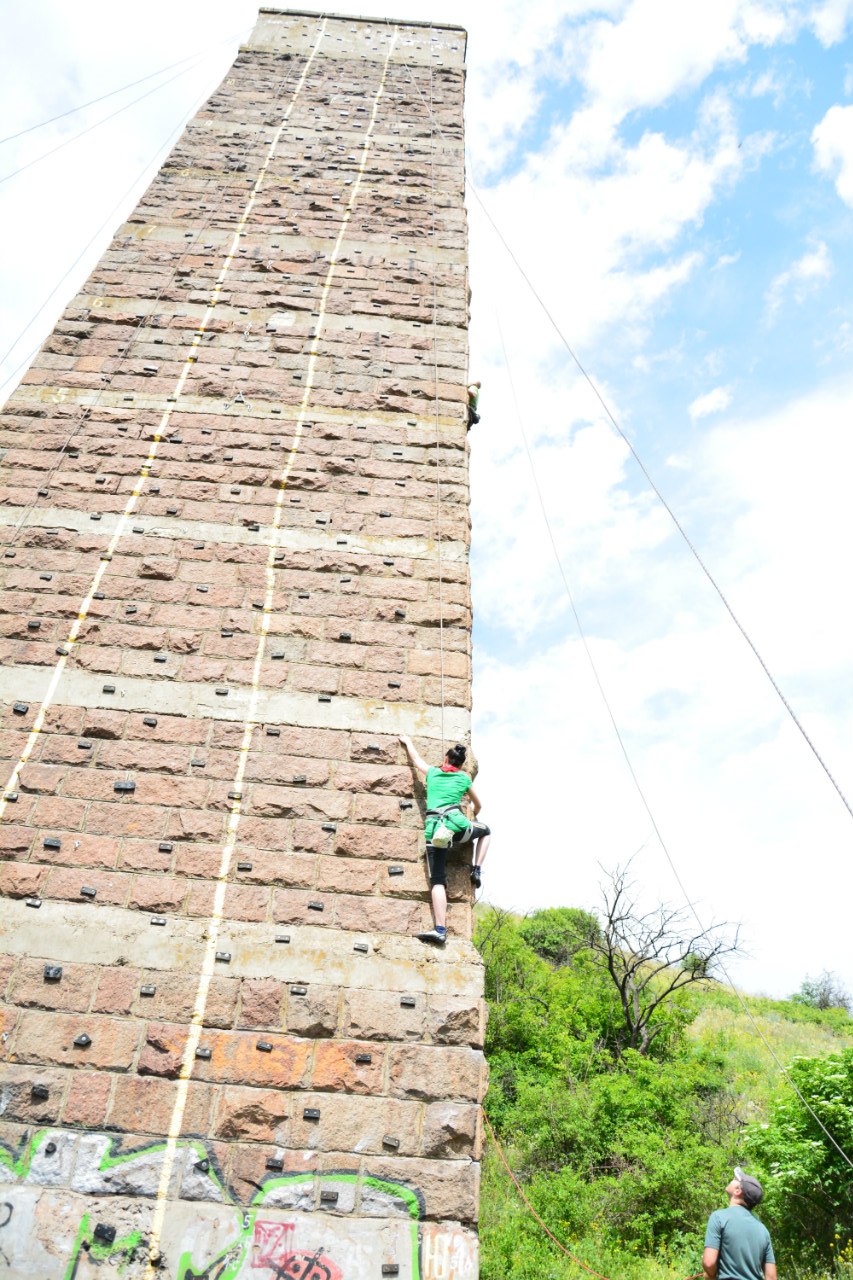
131,84
640,792
6,177
695,553
86,410
748,1012
162,146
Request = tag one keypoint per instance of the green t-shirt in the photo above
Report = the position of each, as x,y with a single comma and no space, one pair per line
743,1242
445,788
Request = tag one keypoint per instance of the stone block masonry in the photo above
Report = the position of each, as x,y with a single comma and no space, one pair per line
234,568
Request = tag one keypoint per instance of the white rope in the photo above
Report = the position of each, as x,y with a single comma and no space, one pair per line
640,792
87,410
435,393
678,525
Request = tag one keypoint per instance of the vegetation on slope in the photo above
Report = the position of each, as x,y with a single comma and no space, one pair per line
625,1153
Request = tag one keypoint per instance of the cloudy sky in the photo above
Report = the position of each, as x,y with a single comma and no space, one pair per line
676,180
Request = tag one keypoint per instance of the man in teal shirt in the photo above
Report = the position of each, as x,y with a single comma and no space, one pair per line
447,825
737,1245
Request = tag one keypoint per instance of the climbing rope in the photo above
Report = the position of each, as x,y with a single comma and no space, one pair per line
204,227
439,548
590,1271
756,1028
619,738
217,914
131,84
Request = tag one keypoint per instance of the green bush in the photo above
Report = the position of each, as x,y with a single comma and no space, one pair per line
624,1154
808,1183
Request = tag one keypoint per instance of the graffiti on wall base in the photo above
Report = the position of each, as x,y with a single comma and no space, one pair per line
298,1244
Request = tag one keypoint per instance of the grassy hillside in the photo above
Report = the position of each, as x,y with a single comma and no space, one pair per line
791,1030
624,1154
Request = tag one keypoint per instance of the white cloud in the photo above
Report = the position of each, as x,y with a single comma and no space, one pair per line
606,236
829,20
653,53
711,402
784,481
740,800
799,280
769,85
832,140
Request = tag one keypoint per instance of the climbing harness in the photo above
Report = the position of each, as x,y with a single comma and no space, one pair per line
446,826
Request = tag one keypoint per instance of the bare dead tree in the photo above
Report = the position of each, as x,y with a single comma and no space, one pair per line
651,955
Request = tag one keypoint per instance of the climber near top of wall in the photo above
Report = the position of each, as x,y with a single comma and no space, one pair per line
447,826
473,400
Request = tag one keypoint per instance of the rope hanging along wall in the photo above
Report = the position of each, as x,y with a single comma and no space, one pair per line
756,1029
434,248
590,1271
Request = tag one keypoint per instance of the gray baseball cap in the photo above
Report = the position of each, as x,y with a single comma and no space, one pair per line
751,1189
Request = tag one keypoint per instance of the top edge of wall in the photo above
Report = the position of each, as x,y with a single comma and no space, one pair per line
286,28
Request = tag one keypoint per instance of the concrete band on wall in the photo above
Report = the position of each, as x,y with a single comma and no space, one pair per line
234,530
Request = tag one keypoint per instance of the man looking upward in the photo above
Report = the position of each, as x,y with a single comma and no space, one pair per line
737,1245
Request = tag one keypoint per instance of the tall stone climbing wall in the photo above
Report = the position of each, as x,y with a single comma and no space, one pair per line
234,523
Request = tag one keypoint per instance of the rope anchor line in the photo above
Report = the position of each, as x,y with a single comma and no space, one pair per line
572,1258
755,1027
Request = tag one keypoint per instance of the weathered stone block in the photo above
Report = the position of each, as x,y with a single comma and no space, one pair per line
379,1015
417,1071
49,1038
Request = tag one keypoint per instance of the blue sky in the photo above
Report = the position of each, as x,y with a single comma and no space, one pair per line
677,180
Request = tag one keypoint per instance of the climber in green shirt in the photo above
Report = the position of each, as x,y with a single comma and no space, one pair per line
448,826
473,401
